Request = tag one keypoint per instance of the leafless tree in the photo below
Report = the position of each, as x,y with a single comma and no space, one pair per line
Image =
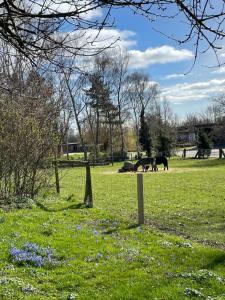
120,62
39,27
168,116
141,94
75,84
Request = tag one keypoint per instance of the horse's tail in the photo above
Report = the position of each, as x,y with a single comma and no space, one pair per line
154,164
166,163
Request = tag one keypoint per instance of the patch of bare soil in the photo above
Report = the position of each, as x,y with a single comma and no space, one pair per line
160,171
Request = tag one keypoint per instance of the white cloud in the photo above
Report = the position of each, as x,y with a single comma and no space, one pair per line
194,91
175,76
160,55
221,70
57,6
90,40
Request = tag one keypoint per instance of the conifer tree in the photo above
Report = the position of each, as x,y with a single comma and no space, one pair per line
144,134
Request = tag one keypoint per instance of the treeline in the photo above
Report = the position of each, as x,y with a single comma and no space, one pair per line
112,110
116,110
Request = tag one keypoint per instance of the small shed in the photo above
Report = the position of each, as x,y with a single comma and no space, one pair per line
71,148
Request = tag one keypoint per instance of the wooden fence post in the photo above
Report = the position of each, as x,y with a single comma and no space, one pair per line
57,177
88,198
140,199
184,153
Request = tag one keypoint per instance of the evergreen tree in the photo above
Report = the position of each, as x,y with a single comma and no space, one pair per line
204,145
165,144
144,135
204,141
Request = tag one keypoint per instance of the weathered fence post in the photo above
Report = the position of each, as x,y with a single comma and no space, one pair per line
57,177
88,198
140,199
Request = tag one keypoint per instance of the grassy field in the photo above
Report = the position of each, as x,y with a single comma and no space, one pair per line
103,254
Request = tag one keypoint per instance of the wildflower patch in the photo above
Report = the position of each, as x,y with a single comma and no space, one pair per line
34,255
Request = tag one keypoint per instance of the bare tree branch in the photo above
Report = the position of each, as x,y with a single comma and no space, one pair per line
42,27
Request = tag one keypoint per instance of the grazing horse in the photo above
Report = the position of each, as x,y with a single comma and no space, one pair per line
127,167
161,160
145,162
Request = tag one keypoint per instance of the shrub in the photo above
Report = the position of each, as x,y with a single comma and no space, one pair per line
120,156
28,138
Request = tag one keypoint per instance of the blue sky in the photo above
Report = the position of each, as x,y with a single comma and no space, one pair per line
167,62
161,57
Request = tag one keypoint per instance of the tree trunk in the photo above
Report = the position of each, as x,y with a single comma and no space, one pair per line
77,121
97,133
111,142
88,198
137,135
91,129
120,120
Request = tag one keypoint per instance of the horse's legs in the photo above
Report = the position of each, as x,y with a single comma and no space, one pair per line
153,167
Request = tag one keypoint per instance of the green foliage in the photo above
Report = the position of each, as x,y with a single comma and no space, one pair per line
101,156
120,156
204,145
165,143
105,156
75,156
204,141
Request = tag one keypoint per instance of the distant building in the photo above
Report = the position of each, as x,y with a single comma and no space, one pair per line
188,135
72,148
77,147
207,127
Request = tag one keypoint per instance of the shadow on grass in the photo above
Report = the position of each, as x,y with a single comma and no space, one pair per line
113,230
218,260
73,206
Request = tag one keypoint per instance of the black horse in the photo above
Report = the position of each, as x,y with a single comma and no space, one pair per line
145,162
161,160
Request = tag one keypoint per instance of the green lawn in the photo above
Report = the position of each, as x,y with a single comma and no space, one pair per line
188,199
105,255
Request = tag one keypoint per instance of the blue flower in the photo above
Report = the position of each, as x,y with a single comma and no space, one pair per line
99,255
95,232
32,254
78,227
